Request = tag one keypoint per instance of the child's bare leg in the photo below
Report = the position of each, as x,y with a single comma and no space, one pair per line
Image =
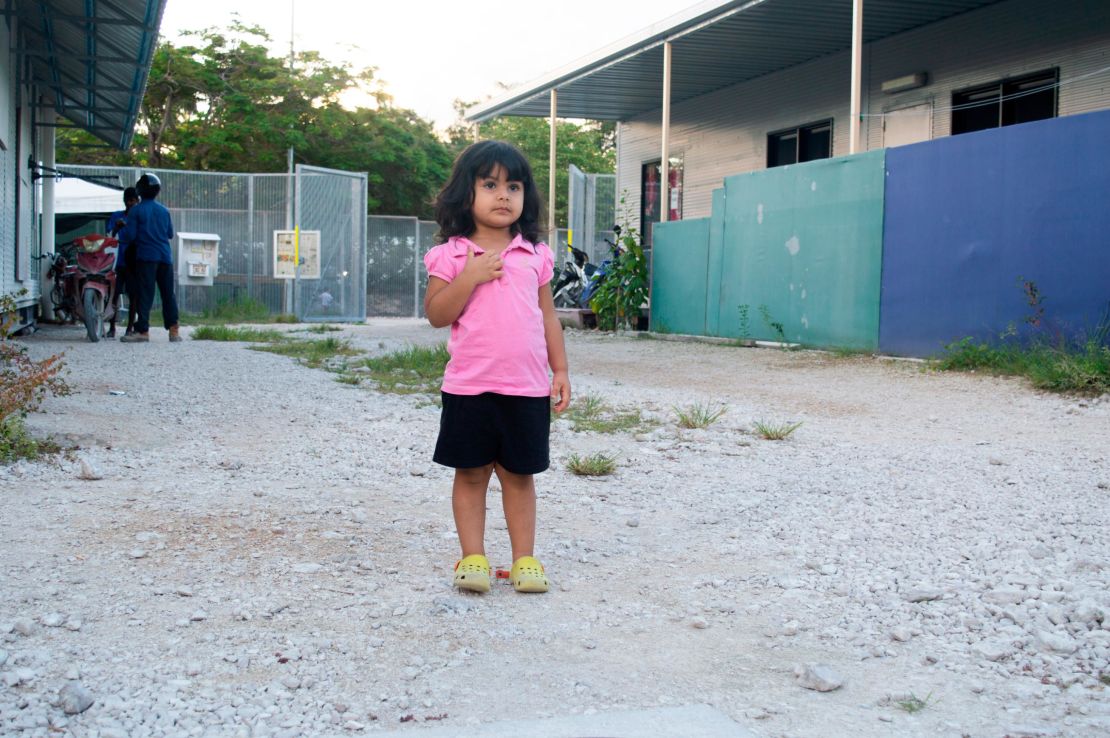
518,496
468,501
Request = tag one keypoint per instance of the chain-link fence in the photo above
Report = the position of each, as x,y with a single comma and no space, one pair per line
359,267
333,204
591,213
245,211
395,274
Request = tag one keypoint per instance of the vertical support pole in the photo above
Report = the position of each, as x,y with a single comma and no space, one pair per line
290,186
552,235
417,262
857,75
46,245
250,236
665,157
297,214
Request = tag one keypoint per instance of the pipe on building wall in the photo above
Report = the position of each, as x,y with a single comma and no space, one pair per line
665,158
857,75
47,233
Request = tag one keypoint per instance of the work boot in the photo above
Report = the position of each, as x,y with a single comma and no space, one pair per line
175,337
136,338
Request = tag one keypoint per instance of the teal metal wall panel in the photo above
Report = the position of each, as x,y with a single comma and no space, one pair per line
716,261
805,242
680,259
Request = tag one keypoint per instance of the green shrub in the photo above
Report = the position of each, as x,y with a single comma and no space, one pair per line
624,290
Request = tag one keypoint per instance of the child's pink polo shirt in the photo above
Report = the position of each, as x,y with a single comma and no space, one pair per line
497,344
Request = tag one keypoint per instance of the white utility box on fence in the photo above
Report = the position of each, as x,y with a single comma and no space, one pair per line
198,255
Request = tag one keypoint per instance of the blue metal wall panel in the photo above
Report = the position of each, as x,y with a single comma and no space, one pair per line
968,217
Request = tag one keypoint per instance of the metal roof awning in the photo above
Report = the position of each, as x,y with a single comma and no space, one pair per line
91,59
715,44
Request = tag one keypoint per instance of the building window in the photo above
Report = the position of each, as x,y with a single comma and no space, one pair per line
804,143
650,194
1004,103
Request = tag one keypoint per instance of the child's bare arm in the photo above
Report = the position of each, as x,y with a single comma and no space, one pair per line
556,350
444,301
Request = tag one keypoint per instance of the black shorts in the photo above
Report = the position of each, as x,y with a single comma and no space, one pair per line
475,430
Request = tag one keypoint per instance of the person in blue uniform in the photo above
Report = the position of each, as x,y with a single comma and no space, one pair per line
124,279
149,232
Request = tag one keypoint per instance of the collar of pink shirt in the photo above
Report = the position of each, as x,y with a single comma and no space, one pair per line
460,244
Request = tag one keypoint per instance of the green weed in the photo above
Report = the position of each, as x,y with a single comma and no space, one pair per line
226,333
1057,368
313,353
698,415
16,443
238,310
775,431
595,465
914,703
773,324
416,369
591,413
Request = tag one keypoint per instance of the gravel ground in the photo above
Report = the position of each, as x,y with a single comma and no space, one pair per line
268,551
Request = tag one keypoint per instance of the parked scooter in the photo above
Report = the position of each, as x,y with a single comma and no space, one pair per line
85,282
576,274
602,272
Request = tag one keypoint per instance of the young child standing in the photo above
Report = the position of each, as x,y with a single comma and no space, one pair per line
488,280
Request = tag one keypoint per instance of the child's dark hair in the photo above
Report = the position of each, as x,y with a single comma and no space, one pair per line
455,200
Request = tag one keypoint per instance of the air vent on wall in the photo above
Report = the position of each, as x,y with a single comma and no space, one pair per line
908,82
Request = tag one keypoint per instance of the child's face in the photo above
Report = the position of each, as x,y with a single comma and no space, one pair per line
498,201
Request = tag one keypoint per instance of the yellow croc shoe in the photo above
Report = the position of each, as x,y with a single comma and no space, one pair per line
472,573
527,575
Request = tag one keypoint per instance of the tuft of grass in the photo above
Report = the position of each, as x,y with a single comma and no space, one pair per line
16,443
239,310
845,352
595,465
698,415
412,370
591,413
1064,368
770,431
347,378
226,333
284,318
915,704
314,353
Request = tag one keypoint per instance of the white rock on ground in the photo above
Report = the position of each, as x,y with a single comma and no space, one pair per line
280,505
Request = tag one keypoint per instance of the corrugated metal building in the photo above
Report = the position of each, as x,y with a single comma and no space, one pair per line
756,83
62,63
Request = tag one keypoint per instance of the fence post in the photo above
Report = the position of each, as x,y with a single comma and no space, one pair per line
250,236
416,268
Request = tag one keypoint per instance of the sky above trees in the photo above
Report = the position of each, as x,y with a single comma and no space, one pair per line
429,53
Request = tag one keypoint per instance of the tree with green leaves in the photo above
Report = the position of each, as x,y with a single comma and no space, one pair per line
223,103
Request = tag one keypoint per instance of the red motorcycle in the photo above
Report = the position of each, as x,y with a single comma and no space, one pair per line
85,283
